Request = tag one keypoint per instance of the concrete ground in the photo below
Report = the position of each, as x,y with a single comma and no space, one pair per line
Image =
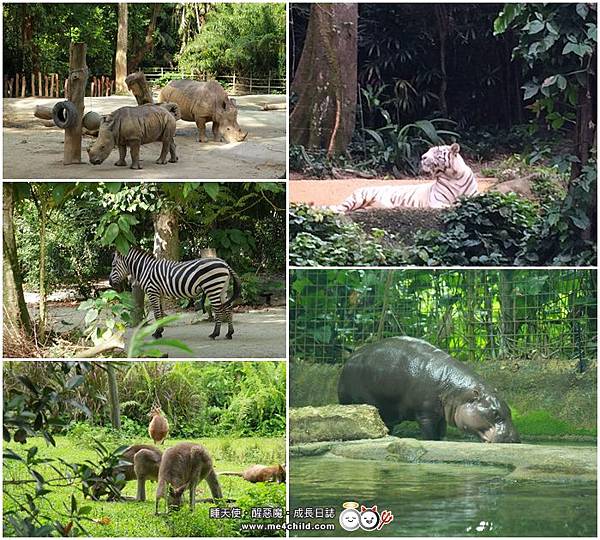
259,333
33,151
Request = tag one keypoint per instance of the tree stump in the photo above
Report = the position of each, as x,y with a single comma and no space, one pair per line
78,75
137,84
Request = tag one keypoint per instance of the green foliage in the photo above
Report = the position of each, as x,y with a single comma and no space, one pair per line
557,238
107,315
542,423
248,39
487,230
474,315
320,237
399,148
143,345
74,256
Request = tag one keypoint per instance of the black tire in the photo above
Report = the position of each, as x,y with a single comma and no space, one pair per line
65,114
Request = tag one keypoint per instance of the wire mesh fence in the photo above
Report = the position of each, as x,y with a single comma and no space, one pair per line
474,315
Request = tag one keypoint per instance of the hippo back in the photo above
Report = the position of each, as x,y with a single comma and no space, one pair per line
399,366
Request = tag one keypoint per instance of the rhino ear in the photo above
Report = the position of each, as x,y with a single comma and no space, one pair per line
233,102
107,119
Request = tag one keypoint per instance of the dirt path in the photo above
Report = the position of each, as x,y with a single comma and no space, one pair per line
326,192
33,151
259,333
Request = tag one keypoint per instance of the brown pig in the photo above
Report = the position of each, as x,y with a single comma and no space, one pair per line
132,127
202,102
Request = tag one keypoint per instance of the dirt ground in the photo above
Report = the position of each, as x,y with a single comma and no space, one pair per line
328,192
33,151
259,333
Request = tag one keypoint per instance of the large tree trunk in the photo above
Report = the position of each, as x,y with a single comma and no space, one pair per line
121,56
13,300
326,79
43,220
584,140
442,16
166,235
138,56
113,396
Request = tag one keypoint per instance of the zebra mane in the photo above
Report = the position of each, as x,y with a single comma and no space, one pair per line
143,252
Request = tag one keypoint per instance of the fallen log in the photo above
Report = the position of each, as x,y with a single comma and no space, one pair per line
274,106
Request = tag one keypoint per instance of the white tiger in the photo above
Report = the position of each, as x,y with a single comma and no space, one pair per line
453,179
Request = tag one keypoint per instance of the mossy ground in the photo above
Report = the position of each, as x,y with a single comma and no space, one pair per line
137,519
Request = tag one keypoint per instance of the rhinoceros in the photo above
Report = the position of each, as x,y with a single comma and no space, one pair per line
132,127
202,102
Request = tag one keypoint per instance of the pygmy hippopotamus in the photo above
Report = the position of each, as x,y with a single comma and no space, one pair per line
409,379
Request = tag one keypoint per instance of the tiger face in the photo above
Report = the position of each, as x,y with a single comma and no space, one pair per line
439,159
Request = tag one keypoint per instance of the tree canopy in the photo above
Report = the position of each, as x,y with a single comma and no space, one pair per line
246,38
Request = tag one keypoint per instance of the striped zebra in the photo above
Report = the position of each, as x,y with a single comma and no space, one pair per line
186,279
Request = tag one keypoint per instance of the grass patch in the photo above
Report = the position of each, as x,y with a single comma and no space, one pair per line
137,519
542,423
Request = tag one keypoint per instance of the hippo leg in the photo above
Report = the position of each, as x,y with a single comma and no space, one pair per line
172,148
162,159
135,155
433,427
201,125
122,155
215,131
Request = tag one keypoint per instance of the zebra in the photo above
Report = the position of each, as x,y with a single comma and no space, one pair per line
186,279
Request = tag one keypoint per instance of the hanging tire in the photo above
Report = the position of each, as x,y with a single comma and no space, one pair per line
65,114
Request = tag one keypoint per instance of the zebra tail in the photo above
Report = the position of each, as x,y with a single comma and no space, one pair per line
237,289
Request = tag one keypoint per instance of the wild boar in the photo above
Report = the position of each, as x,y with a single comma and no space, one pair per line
202,102
132,127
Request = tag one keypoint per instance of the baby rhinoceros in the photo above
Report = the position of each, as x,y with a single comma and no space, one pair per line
202,102
132,127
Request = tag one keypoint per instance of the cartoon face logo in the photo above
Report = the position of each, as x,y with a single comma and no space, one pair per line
350,519
369,518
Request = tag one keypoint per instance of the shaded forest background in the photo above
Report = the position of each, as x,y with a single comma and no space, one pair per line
212,37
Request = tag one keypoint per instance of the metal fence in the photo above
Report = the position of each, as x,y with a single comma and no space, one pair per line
474,315
235,84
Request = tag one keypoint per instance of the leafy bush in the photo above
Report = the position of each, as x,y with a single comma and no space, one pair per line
74,256
399,148
558,237
320,237
248,39
489,229
107,315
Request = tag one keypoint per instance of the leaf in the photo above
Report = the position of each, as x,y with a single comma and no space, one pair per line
561,82
534,27
530,90
212,189
582,10
113,187
172,343
74,382
110,233
376,136
122,245
581,221
91,316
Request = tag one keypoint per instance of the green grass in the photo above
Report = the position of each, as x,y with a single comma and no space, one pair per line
542,423
137,519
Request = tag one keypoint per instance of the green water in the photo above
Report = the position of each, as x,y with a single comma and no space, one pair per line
442,500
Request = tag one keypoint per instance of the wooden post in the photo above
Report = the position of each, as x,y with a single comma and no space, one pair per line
40,91
269,84
23,85
250,84
78,74
56,85
11,87
234,90
138,86
46,86
32,84
51,84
